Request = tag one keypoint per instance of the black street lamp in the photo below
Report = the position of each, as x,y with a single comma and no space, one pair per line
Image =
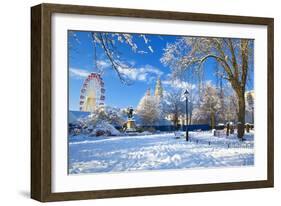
186,93
252,115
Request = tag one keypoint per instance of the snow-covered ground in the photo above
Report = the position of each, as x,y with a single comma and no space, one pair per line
157,151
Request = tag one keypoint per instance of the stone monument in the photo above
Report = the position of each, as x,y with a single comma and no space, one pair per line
130,124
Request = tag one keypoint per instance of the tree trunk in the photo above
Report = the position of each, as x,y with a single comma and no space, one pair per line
212,120
175,120
241,112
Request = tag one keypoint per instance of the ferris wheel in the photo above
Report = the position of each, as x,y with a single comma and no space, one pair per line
92,94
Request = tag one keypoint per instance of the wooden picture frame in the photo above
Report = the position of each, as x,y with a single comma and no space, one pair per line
41,116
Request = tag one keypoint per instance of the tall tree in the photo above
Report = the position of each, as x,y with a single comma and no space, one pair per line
209,109
231,107
233,55
148,110
174,105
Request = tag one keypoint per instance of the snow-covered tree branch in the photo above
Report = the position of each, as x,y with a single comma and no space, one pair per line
110,44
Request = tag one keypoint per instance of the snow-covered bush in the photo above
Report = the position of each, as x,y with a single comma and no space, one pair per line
105,129
98,123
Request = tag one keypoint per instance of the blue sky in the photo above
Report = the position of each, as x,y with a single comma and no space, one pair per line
146,63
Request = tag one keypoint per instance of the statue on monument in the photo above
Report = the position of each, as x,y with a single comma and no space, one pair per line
130,112
130,125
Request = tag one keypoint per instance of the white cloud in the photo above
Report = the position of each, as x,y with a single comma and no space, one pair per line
142,77
178,84
144,73
102,64
82,73
141,73
78,73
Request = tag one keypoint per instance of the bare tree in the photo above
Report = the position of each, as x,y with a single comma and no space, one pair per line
210,107
233,55
174,105
231,108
